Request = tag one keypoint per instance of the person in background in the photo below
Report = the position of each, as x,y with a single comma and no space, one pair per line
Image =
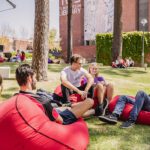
119,63
17,58
131,62
2,59
23,56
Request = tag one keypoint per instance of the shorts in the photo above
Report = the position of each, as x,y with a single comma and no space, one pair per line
68,116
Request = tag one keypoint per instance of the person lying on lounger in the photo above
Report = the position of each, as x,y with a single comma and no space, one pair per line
141,102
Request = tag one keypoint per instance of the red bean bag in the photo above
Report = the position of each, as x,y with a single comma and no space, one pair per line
74,98
143,118
23,125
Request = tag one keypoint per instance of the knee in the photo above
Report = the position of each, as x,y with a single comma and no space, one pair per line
140,93
99,86
90,102
110,86
122,98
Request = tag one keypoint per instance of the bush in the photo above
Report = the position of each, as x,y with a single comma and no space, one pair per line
132,46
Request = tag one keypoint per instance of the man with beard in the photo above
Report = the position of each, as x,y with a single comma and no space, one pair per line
26,79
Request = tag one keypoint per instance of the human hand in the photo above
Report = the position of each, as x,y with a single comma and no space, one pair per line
83,94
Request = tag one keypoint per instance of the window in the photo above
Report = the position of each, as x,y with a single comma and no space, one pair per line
143,13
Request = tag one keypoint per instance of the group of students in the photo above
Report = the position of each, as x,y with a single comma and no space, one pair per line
71,83
19,57
120,63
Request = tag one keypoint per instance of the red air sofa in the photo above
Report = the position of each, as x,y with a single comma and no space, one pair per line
23,125
143,118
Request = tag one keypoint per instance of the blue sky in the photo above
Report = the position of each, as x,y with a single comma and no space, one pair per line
23,15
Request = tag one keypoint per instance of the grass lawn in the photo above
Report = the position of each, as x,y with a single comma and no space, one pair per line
102,136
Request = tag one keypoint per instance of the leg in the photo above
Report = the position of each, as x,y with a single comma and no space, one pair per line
109,91
90,92
65,92
112,118
121,104
100,92
142,101
87,113
82,107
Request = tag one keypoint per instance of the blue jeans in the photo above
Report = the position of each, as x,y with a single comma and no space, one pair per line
141,102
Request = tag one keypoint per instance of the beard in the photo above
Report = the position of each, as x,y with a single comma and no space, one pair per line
33,85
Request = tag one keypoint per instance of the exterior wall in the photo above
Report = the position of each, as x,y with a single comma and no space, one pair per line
98,17
22,44
77,23
15,44
149,16
129,16
88,52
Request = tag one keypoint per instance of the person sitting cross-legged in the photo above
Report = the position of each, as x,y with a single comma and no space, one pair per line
141,102
26,79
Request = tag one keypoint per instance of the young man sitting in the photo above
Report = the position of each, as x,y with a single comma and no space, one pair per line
141,102
71,80
26,79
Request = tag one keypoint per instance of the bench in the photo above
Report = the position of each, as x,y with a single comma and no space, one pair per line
5,72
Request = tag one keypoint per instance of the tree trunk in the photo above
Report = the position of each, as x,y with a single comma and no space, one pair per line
117,30
40,44
69,47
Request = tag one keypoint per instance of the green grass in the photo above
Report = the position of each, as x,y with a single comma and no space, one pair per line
102,136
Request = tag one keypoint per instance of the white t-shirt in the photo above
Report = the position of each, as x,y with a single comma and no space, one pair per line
74,77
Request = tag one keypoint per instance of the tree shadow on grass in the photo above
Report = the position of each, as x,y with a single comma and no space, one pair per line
55,67
13,89
122,72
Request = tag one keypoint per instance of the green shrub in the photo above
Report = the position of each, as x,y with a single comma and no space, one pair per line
132,46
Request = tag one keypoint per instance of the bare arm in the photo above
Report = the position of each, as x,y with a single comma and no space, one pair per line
67,84
90,81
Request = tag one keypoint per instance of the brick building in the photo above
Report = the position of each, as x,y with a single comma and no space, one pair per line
11,44
96,16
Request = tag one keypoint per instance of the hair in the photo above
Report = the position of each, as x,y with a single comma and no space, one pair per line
94,64
22,73
75,58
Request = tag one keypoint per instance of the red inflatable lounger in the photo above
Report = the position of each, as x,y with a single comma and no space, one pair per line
143,118
74,98
23,125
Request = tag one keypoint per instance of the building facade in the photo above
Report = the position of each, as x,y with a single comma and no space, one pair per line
13,44
91,17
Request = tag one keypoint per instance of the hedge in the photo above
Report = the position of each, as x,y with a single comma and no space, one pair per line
132,46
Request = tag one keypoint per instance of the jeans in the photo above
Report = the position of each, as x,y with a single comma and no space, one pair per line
141,102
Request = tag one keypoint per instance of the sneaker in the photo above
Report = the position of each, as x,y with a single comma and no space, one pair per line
105,106
111,119
128,124
99,110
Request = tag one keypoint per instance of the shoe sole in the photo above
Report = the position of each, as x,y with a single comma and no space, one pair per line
127,127
107,120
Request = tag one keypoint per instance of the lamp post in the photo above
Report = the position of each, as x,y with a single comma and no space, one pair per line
143,22
10,3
